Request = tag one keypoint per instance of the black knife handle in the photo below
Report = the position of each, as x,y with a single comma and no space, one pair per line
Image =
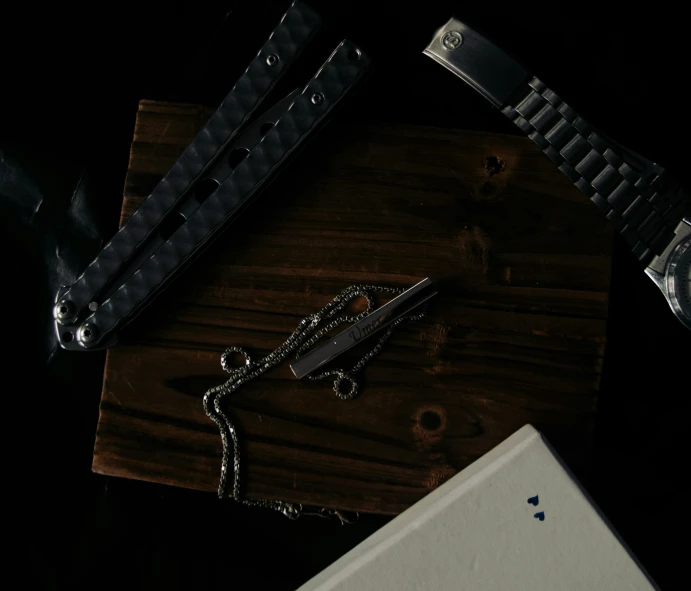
336,79
297,27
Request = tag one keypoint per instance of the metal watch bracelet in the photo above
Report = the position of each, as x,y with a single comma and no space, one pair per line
636,195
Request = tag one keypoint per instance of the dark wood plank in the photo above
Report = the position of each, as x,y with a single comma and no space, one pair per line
516,334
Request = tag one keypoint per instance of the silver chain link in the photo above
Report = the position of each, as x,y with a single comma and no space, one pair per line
304,336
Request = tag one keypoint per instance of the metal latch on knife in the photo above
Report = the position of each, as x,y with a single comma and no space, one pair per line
230,161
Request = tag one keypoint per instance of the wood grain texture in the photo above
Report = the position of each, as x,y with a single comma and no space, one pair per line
516,334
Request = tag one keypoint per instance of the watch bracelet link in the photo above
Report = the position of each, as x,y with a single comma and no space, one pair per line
636,195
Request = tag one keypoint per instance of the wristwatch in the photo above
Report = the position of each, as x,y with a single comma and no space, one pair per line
650,210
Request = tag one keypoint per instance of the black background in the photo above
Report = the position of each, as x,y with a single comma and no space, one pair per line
71,81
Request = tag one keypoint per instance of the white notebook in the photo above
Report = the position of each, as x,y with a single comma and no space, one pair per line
514,519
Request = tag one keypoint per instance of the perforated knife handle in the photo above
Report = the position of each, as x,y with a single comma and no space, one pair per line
297,27
336,79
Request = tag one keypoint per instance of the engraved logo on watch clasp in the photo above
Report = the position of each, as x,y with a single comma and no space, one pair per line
452,40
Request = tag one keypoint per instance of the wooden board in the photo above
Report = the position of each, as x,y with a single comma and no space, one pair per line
516,335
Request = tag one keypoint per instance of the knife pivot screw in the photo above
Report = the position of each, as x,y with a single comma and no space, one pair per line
271,60
452,40
87,333
317,98
64,309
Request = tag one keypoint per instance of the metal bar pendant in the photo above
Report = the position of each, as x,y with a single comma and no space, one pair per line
371,324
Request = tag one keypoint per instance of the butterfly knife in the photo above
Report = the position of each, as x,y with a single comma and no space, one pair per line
230,161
